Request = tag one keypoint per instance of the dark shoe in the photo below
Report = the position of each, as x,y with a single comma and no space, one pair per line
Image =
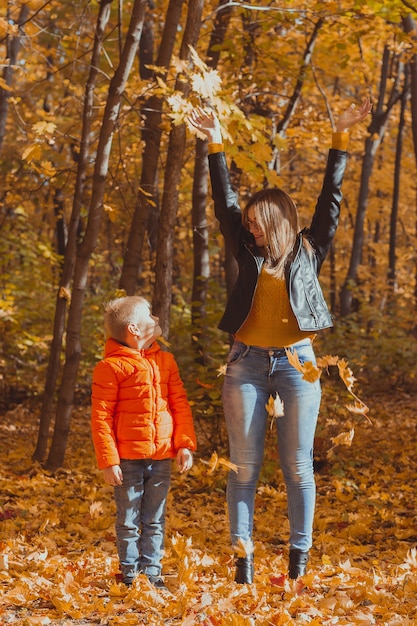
244,570
156,581
298,563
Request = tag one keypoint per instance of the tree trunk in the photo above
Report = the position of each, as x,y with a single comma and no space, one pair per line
63,295
13,45
73,350
372,142
167,218
410,26
201,271
392,253
147,198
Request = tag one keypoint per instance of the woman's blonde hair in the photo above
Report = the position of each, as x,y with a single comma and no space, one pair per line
277,217
121,312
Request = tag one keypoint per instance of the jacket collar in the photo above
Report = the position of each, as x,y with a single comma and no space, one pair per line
112,347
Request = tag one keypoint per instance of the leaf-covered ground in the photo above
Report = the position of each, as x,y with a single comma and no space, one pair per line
57,550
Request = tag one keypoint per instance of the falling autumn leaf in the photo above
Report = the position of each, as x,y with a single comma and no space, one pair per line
275,406
344,439
310,372
215,462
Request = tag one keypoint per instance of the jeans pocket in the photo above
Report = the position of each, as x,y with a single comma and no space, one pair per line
237,352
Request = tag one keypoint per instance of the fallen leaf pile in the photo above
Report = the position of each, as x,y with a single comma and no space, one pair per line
58,560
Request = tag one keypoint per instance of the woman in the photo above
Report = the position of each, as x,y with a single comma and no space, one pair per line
276,304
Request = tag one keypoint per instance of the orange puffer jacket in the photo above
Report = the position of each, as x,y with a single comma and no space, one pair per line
139,406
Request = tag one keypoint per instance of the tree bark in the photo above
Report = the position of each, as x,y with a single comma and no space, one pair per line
63,295
201,271
147,198
166,230
392,252
380,116
13,45
73,349
410,26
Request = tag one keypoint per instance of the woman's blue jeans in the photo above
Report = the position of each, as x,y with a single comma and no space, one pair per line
140,516
252,376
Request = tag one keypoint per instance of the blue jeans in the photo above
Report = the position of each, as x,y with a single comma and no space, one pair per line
252,376
140,516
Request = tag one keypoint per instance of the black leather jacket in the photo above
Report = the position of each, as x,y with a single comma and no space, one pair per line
301,272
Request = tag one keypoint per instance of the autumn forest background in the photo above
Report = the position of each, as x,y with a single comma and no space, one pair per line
104,191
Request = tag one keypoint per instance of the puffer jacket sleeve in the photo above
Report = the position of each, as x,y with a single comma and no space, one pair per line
103,403
184,434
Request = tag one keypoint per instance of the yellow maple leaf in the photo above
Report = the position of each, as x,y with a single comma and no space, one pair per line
344,439
310,372
275,406
44,128
243,548
346,374
206,85
4,85
411,559
359,408
32,152
222,370
327,361
215,461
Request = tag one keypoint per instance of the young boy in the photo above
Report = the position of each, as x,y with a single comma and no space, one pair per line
140,420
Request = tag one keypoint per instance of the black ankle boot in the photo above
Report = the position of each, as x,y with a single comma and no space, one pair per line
298,563
244,570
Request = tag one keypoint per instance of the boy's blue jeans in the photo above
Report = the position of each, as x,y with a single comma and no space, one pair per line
253,375
140,516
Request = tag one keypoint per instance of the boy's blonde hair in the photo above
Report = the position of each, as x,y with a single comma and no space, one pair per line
119,313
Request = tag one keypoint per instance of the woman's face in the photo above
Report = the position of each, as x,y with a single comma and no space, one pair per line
254,228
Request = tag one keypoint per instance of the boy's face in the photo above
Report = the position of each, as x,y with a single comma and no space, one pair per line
147,324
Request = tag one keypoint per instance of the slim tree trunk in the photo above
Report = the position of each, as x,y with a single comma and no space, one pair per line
410,26
392,253
63,295
13,45
380,116
201,272
73,349
147,198
164,260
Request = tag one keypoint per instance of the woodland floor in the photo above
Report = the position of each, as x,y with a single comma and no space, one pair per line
58,557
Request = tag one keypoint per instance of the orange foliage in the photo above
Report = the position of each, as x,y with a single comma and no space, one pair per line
58,561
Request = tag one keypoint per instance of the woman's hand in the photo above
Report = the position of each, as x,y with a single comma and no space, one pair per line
353,115
207,123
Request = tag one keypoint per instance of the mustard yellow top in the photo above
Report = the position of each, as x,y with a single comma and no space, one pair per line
271,322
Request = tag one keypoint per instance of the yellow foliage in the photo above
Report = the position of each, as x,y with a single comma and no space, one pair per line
32,152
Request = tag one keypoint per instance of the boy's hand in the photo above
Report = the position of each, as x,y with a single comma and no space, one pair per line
113,475
184,460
